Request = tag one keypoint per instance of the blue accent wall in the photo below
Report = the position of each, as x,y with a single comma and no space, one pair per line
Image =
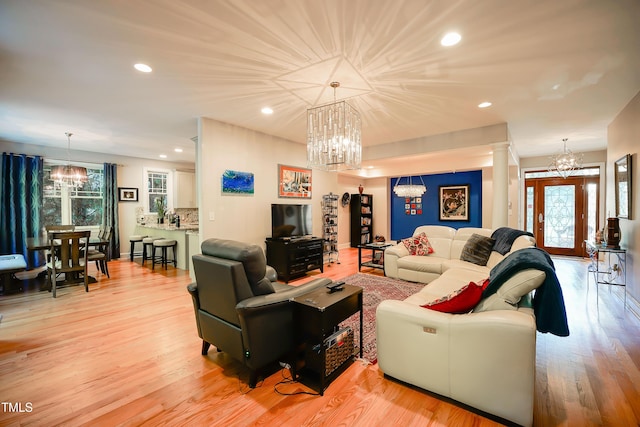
403,225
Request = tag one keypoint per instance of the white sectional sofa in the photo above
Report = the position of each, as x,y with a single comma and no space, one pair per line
447,243
485,358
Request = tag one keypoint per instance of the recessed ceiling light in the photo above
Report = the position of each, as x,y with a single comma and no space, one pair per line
163,156
555,87
267,110
178,150
450,39
143,67
484,104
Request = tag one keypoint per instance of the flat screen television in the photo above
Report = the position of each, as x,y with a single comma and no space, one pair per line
290,220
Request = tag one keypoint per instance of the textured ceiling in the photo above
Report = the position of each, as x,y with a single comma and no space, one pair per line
553,69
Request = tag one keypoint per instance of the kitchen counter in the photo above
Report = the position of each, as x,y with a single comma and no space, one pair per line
193,240
170,231
183,227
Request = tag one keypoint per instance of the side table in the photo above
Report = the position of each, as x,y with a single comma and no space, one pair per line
316,316
608,271
377,255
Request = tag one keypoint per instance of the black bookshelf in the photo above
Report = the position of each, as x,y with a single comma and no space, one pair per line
361,219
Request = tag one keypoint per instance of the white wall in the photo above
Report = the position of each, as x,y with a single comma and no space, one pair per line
224,146
623,137
381,190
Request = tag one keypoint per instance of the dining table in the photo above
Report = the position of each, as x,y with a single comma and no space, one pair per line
41,242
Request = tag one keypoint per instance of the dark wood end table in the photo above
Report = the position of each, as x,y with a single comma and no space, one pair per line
316,316
377,255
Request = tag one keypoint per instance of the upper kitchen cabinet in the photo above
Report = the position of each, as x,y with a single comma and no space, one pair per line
185,190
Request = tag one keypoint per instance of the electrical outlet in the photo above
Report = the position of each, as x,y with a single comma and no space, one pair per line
212,216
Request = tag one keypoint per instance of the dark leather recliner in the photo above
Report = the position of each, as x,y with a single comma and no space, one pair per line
239,306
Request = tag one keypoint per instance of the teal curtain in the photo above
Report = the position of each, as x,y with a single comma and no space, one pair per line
21,199
110,206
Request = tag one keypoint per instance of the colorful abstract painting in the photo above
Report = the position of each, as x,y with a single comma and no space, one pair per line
234,182
294,182
454,202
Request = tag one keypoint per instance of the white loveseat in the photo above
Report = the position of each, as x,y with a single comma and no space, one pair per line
484,359
447,243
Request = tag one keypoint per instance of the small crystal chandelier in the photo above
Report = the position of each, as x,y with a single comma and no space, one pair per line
566,162
334,136
70,176
409,189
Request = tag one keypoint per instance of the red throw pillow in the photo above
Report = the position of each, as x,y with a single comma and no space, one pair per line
418,245
460,301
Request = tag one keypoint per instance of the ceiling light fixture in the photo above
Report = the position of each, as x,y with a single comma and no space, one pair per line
178,150
484,104
566,162
334,136
451,39
67,175
143,68
267,110
409,189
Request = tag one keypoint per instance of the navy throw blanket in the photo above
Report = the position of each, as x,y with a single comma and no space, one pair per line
504,237
548,302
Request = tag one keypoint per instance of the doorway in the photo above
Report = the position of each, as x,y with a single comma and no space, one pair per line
562,213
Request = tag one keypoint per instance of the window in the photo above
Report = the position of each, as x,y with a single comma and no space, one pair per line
81,206
159,186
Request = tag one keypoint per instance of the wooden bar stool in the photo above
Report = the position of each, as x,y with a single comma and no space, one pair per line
164,244
147,248
133,240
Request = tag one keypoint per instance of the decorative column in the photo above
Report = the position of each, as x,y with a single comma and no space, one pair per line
500,185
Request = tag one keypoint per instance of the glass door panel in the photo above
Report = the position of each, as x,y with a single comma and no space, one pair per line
529,211
592,209
560,216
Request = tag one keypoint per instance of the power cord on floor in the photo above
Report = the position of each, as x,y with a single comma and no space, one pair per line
289,380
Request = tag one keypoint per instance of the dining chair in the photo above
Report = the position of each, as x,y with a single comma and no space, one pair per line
102,232
101,252
69,256
56,227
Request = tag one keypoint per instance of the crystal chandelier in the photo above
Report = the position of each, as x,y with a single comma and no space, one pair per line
409,189
334,136
67,175
566,162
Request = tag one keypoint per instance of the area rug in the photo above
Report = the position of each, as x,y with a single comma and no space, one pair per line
375,289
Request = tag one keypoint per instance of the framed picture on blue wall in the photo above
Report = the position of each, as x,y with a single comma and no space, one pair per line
454,202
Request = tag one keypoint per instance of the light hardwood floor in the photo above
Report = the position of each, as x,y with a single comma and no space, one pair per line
127,353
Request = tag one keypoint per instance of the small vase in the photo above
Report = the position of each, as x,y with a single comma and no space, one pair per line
160,220
360,189
613,233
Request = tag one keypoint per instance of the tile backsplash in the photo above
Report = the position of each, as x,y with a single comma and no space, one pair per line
187,216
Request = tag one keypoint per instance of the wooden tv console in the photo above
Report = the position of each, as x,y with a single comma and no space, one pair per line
293,257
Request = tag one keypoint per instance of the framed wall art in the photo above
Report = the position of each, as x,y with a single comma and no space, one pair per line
413,205
454,203
127,194
234,182
294,182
